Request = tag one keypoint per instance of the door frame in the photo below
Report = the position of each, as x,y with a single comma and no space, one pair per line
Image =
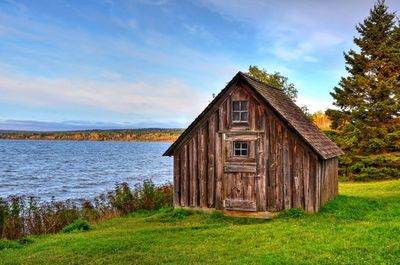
247,165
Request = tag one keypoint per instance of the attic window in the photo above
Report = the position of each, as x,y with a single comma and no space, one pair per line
240,111
241,149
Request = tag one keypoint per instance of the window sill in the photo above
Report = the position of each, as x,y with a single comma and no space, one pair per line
240,123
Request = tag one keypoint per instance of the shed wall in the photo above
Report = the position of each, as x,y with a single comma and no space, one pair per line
289,174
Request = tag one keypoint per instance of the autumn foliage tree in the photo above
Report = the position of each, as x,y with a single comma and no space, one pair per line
321,120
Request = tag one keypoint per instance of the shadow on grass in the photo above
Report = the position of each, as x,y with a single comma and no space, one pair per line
219,217
15,243
188,220
343,207
170,215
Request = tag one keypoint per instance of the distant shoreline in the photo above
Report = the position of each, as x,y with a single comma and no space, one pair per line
125,135
72,140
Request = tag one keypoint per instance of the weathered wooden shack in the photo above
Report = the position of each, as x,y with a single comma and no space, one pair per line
253,149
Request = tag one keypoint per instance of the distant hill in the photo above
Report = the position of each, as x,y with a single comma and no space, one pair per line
123,135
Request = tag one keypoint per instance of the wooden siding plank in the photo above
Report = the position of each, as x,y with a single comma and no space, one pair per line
296,177
219,159
331,179
227,114
272,168
301,175
252,115
185,184
218,171
264,157
239,168
253,182
195,180
182,175
287,187
240,205
260,155
177,176
227,176
306,175
262,200
311,178
228,185
279,168
267,158
211,161
190,172
241,137
239,186
336,167
318,185
203,167
322,183
335,177
222,116
328,178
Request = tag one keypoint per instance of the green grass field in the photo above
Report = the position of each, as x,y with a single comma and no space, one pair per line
361,226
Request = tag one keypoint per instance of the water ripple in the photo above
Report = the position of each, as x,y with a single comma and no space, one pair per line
78,169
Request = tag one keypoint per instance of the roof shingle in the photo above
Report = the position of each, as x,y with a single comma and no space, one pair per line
288,111
296,118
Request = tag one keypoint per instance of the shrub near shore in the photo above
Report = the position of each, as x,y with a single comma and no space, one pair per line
21,217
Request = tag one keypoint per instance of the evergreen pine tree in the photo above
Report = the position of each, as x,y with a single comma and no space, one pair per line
368,99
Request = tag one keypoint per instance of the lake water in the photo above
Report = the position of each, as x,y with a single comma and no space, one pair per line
78,169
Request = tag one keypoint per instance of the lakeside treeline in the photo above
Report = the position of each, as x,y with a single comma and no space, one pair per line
123,135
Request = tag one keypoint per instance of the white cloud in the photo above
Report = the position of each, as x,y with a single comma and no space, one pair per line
153,2
30,125
130,24
288,47
110,75
295,30
168,97
313,104
160,49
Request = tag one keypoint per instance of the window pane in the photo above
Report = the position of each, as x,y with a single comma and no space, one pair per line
237,145
236,116
236,105
244,105
244,152
244,145
237,152
243,116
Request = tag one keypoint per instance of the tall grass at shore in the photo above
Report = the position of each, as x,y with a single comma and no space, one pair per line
21,217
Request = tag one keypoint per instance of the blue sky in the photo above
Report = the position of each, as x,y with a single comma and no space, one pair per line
146,63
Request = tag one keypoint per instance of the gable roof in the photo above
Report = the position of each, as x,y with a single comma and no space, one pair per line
285,108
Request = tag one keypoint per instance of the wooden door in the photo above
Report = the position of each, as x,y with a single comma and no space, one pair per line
240,172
